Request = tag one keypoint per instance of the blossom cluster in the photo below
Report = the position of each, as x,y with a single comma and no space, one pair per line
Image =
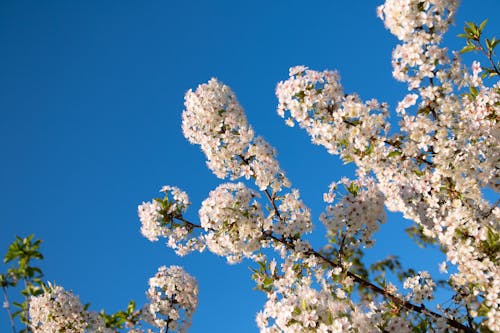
234,222
342,123
420,26
294,304
173,298
214,119
356,216
307,298
58,310
163,218
452,145
172,295
305,309
422,287
295,216
407,18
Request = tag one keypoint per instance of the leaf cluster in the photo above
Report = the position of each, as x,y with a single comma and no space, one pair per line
473,35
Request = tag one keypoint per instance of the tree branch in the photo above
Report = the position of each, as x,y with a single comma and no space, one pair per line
367,284
11,318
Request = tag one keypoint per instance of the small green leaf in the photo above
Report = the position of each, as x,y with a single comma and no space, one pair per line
303,304
394,153
131,307
494,42
467,48
481,26
353,188
473,91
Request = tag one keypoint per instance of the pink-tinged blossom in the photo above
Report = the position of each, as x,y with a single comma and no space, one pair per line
476,69
408,101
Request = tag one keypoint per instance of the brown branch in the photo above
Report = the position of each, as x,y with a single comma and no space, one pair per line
367,284
356,278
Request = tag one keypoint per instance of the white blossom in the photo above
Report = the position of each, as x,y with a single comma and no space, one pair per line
173,298
58,310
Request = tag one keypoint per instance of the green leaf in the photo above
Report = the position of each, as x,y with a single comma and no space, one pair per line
131,307
488,44
473,30
303,304
481,26
473,91
353,188
16,313
394,153
483,310
467,48
494,42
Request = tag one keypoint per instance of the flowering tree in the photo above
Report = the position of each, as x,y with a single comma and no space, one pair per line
433,168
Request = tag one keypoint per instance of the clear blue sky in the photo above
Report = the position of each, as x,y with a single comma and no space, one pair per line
91,95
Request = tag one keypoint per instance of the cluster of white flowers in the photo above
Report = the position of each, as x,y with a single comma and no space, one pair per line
163,218
422,287
172,294
214,119
58,310
477,130
263,166
180,200
295,217
356,216
173,297
234,222
342,123
306,298
407,18
305,309
420,25
296,305
152,224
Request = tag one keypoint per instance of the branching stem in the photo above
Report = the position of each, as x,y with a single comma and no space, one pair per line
7,307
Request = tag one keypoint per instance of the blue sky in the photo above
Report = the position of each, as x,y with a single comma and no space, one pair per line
91,95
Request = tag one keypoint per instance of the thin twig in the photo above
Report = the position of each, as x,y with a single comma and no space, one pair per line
11,318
